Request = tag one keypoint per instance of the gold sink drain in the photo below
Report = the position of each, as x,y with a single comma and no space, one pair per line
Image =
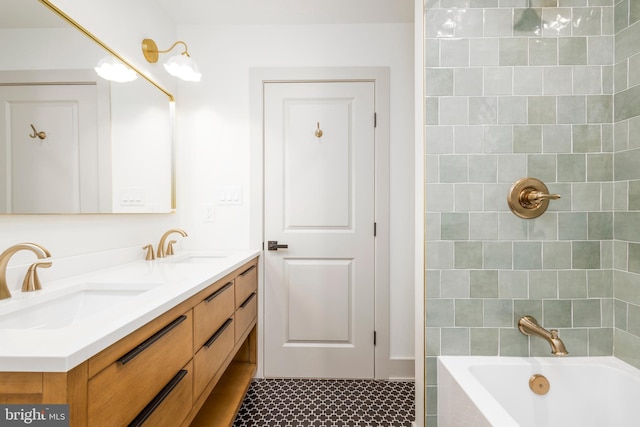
539,384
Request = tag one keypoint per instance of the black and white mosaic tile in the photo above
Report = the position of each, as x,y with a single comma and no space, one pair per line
327,403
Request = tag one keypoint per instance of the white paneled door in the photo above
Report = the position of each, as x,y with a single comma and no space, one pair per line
319,203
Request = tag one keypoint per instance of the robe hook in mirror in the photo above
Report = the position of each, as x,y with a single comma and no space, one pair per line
41,135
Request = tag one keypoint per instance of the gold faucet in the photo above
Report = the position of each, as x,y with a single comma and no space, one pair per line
162,250
40,252
529,326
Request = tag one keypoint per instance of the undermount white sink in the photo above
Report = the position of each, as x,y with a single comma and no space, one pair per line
69,306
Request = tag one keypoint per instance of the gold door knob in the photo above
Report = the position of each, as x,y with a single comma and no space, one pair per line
529,198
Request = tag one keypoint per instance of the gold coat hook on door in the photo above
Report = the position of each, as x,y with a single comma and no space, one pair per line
318,132
41,135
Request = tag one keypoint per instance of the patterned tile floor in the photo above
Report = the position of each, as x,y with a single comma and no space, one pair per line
327,403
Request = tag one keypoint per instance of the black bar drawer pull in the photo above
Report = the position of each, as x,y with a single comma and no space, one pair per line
218,292
156,401
244,304
219,332
149,341
244,273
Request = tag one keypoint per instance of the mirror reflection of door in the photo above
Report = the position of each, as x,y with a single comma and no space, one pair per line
55,173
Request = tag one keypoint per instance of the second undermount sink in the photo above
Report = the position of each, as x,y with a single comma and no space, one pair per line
69,306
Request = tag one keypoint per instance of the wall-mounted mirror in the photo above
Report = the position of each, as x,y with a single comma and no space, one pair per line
70,141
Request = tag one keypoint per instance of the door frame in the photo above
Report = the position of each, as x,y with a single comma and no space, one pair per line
384,366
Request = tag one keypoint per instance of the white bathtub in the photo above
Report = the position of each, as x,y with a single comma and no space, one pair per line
494,391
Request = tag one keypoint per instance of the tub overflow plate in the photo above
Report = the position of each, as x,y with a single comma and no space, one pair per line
539,384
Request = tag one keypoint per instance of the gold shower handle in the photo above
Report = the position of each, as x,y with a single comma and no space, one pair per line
533,196
41,135
529,198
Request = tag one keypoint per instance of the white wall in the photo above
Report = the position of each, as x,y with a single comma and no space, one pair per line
121,24
214,122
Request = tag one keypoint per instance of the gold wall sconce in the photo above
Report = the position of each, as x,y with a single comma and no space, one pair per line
181,65
529,198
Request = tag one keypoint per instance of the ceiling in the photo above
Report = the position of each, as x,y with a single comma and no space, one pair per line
288,11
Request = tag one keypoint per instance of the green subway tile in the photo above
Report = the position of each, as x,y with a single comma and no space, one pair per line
541,109
599,109
543,51
513,284
572,284
527,139
542,166
626,287
483,226
432,341
543,284
633,319
606,305
454,284
468,254
600,225
544,227
484,341
468,312
557,314
527,255
625,165
453,169
627,347
455,341
625,226
599,167
484,283
572,225
454,226
600,342
572,109
620,309
586,255
497,255
513,343
634,257
587,138
498,313
634,195
572,167
514,51
556,255
432,280
600,283
440,312
483,168
572,50
627,103
586,312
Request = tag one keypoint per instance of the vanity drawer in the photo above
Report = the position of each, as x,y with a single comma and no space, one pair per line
122,390
246,283
245,314
211,313
210,357
173,403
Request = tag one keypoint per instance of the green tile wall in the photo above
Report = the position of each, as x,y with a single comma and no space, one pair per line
562,105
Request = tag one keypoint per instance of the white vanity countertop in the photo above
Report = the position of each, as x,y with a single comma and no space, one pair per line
59,349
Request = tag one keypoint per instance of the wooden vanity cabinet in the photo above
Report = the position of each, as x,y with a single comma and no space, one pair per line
190,366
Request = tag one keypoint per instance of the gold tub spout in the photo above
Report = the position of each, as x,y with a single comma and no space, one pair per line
529,326
40,252
162,248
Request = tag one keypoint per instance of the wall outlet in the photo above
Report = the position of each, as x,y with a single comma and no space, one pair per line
208,212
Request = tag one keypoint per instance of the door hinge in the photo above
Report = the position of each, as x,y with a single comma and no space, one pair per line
374,337
375,229
375,120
